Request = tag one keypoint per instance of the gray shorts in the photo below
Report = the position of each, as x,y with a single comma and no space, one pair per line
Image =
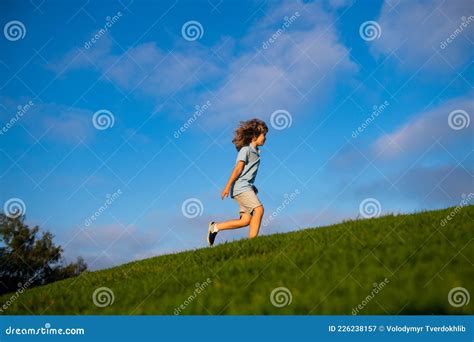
247,201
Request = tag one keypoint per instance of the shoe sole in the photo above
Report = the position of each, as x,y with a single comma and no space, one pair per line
209,233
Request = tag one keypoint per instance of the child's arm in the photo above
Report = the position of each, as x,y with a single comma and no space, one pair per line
235,174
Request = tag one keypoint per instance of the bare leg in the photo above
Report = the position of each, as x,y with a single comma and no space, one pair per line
255,222
243,221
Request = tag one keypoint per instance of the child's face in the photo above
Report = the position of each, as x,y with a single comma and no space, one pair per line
260,140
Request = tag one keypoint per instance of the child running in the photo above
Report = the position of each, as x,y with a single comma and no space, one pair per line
248,137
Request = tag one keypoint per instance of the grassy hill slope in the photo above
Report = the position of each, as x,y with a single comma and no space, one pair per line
403,264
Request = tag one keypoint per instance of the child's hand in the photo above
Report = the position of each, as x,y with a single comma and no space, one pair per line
225,193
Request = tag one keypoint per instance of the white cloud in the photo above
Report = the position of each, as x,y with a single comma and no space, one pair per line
417,28
108,246
300,66
301,63
427,186
160,73
340,3
54,121
66,124
420,132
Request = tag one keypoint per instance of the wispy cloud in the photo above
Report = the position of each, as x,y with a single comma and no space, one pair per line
145,67
423,186
53,121
425,128
336,4
240,77
302,64
415,29
110,245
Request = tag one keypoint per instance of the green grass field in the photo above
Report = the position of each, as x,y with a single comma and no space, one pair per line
327,270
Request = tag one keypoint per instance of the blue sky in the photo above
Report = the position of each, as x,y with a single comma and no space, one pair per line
364,100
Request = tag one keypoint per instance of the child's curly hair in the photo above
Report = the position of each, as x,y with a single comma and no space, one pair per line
248,130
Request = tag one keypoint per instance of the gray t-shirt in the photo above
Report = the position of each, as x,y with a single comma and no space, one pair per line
251,157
